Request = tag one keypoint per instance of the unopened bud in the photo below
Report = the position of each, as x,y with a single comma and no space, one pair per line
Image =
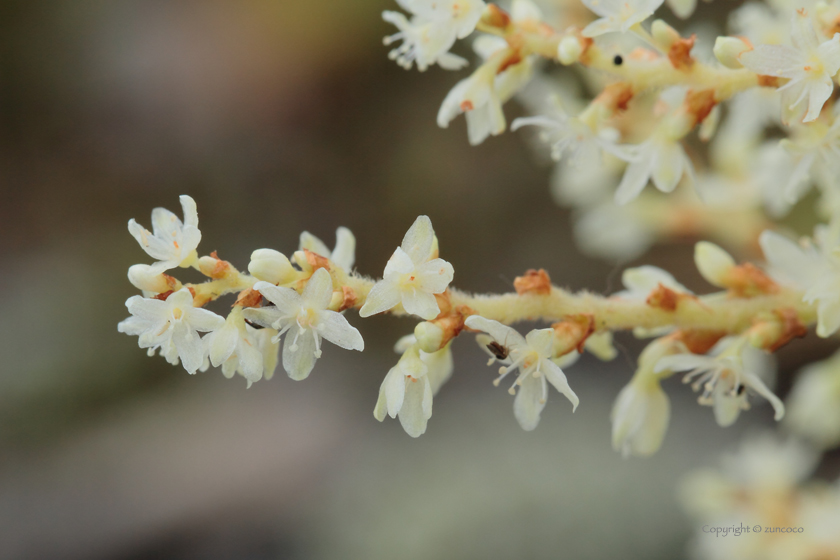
271,266
713,263
663,34
728,49
569,50
212,266
141,276
429,337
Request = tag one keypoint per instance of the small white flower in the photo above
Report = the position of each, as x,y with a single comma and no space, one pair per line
173,243
572,137
813,268
237,348
640,417
660,159
808,65
814,403
344,254
618,15
815,149
476,97
172,326
432,31
412,276
731,369
480,97
532,356
408,388
307,318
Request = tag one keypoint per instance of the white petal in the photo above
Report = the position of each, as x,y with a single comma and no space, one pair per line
335,328
668,167
818,93
757,385
263,316
557,378
344,254
312,243
418,240
318,291
400,263
434,276
529,402
394,386
190,348
222,343
383,296
419,303
633,182
298,362
440,366
287,300
204,320
726,406
147,308
190,212
502,334
771,60
829,318
417,407
599,27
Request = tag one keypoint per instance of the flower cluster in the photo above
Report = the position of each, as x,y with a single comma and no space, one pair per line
760,493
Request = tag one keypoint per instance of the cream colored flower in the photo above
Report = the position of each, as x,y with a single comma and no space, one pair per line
171,325
171,242
532,356
305,320
412,276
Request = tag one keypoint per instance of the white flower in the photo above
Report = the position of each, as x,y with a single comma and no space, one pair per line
660,159
238,347
640,417
814,403
618,15
412,276
308,318
569,135
480,97
172,326
813,268
173,243
433,29
731,368
408,388
344,254
808,65
815,149
532,356
425,43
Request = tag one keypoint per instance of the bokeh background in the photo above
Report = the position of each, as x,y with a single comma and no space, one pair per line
279,117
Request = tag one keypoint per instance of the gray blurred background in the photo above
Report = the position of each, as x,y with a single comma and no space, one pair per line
280,116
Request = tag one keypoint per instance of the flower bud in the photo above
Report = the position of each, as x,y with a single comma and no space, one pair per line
569,50
728,49
143,279
663,34
271,266
213,266
713,263
429,337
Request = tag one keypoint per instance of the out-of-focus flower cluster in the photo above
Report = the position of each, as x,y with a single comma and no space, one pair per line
757,506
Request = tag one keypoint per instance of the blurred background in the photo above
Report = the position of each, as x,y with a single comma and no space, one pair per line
279,117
